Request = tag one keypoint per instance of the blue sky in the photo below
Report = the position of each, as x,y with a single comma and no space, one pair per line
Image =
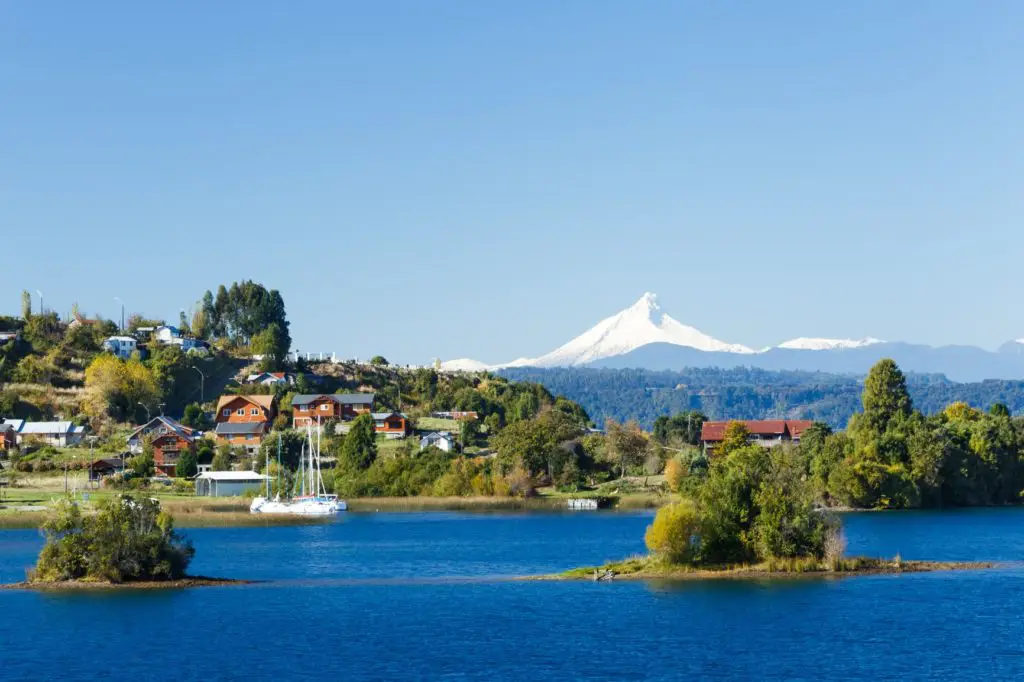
488,179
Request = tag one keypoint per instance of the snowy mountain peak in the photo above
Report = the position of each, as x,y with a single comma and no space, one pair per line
636,326
805,343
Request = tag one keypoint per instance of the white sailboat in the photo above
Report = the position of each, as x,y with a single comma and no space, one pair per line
315,502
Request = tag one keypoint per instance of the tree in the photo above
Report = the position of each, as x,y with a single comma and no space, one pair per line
194,416
674,533
222,458
379,361
26,305
627,444
188,465
270,344
527,443
736,437
359,449
999,410
128,539
142,465
114,387
885,396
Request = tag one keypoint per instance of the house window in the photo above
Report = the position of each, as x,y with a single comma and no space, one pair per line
325,407
226,413
254,411
240,411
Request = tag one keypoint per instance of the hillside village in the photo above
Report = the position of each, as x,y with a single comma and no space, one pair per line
219,405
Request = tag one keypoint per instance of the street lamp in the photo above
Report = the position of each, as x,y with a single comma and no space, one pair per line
122,311
202,383
40,301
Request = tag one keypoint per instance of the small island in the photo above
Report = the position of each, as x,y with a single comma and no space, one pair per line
128,543
753,516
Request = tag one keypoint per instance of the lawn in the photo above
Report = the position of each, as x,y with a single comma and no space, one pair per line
435,424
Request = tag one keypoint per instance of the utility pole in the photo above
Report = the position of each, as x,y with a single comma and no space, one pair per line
202,385
122,311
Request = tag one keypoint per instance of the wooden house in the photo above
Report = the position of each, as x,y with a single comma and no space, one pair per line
244,419
311,409
169,438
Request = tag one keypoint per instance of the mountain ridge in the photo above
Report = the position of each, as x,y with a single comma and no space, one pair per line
642,336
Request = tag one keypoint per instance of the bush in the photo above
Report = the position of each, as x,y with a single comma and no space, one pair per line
129,539
674,534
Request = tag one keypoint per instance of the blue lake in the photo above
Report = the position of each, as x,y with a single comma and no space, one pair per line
419,596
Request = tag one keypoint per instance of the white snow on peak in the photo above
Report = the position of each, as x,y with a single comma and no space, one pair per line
638,325
463,365
804,343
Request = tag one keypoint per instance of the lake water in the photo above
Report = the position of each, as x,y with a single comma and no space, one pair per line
420,596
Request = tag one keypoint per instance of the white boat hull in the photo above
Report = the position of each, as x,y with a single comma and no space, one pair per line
303,507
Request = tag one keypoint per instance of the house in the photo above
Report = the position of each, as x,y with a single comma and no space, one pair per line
271,379
764,432
171,336
469,416
8,436
102,468
391,424
56,433
244,419
8,336
121,346
442,440
169,437
229,483
310,409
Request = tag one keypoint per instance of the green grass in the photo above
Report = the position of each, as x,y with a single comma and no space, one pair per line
435,424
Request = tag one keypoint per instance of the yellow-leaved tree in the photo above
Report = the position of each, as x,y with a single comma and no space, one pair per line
114,388
673,535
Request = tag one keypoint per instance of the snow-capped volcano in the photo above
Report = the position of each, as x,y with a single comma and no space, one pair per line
804,343
638,325
643,337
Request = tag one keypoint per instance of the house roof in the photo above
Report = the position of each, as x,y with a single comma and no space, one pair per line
7,427
232,476
16,424
264,401
46,428
107,462
239,428
714,432
436,436
175,426
340,398
384,415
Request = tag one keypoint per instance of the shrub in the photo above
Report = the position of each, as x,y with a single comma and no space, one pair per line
129,539
675,474
674,534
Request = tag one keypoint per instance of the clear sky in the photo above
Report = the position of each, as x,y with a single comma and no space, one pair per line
488,179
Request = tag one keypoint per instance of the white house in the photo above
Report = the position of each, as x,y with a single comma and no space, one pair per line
121,346
58,433
442,440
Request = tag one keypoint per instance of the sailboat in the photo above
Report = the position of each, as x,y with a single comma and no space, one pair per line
311,501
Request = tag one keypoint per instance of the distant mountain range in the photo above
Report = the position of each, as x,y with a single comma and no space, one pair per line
642,337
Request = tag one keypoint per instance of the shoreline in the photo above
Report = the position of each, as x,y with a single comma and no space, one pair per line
642,571
71,585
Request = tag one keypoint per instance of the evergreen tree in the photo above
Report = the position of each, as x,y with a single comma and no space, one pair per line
885,396
359,449
187,465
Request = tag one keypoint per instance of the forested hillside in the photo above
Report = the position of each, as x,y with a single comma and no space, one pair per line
745,393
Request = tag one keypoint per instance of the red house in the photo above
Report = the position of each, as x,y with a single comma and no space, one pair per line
244,419
169,438
391,424
764,432
309,410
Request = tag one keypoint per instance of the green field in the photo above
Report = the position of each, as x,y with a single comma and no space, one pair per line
435,424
